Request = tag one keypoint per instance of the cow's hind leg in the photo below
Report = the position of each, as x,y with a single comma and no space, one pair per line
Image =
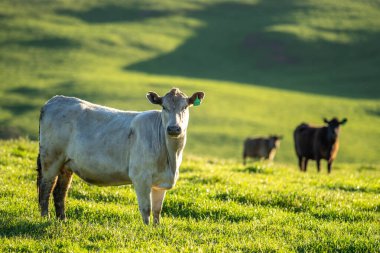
60,191
300,163
158,196
329,164
47,177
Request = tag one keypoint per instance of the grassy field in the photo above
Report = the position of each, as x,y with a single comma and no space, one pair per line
265,66
217,206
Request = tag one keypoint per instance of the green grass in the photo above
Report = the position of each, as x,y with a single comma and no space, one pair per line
217,206
265,66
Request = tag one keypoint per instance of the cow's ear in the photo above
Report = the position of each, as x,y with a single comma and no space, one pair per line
154,98
343,121
325,120
196,98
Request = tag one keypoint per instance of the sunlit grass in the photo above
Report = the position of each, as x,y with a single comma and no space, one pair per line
265,67
217,205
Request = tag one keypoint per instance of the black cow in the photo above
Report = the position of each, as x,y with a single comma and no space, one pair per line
317,143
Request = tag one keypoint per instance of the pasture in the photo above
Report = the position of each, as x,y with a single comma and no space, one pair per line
265,67
217,206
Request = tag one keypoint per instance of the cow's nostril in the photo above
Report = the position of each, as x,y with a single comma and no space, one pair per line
174,130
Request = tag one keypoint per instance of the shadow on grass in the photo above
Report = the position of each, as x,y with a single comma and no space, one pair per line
289,202
100,215
256,168
99,197
19,109
352,188
51,43
237,43
373,111
11,228
344,215
8,131
205,180
367,168
67,88
112,14
4,16
189,210
22,100
296,203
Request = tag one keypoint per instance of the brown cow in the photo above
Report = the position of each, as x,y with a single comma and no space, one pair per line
317,143
261,147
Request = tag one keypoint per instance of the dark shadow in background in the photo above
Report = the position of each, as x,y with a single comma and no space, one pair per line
25,104
235,45
51,43
373,111
112,14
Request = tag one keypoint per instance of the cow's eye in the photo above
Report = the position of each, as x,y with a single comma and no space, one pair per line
184,108
164,108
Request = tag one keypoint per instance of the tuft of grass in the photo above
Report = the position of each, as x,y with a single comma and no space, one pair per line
258,168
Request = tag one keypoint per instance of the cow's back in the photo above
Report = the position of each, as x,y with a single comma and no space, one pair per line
93,139
304,137
63,118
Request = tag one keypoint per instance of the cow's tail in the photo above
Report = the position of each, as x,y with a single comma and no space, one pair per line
39,167
39,174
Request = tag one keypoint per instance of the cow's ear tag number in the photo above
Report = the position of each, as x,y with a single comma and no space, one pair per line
197,101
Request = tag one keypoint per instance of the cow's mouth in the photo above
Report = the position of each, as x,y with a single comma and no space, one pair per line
174,134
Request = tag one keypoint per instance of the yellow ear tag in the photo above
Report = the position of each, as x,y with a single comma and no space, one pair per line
197,101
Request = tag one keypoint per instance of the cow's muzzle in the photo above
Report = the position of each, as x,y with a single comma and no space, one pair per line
174,131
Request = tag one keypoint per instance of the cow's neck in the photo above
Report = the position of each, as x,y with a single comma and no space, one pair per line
329,138
175,148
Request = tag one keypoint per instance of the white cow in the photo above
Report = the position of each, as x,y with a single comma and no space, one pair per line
105,146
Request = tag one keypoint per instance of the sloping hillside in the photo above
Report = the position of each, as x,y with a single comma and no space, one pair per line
265,66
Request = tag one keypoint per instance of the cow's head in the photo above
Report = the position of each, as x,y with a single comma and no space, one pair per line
333,127
175,110
274,141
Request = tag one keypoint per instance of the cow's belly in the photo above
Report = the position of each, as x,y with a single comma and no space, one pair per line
98,174
104,164
263,152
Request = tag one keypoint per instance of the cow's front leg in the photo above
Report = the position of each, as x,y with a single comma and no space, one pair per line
329,164
318,164
158,196
143,191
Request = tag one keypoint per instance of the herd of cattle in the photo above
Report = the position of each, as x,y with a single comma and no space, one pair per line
311,143
106,146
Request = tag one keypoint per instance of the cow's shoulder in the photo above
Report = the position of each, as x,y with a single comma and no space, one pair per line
146,119
146,136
